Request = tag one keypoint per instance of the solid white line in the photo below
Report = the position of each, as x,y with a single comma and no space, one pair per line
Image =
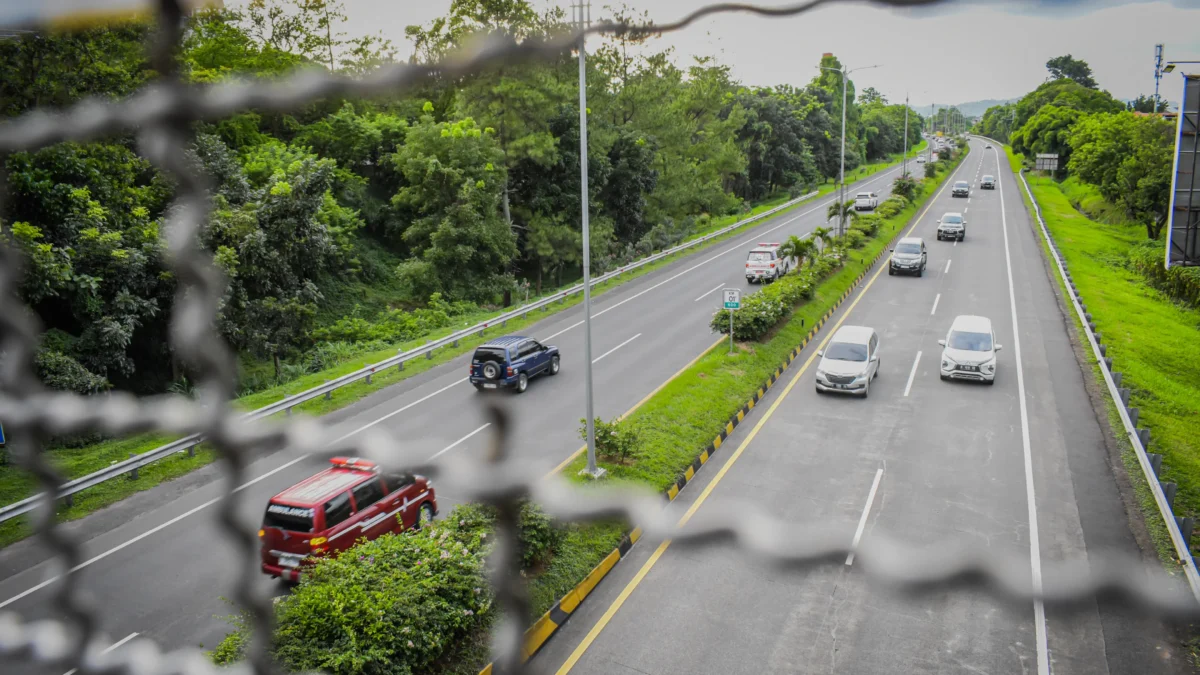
935,302
1035,551
616,348
862,522
948,262
708,293
111,647
455,444
913,373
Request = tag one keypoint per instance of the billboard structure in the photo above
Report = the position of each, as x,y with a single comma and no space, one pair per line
1046,162
1183,216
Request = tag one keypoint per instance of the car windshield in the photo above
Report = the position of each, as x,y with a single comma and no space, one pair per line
952,219
911,249
846,351
760,256
986,178
972,342
290,518
961,183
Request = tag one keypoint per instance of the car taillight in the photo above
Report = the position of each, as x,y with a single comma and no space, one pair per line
262,533
747,264
510,372
316,544
772,264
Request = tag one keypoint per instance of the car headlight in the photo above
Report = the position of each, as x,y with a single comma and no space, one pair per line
989,366
821,374
948,363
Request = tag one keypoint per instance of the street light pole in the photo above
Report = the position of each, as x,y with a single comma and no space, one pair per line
842,171
904,158
583,19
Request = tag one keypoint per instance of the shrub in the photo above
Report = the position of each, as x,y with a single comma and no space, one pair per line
59,371
904,187
931,169
854,239
392,605
616,441
868,223
1181,283
538,534
761,311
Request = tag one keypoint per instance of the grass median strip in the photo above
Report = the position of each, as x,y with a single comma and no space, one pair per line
75,462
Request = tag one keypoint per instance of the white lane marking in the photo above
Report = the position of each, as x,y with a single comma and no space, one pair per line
616,348
1035,551
935,302
913,373
948,262
954,245
862,522
111,647
966,208
708,293
201,507
455,444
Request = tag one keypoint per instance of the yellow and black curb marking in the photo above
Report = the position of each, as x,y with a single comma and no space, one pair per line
549,623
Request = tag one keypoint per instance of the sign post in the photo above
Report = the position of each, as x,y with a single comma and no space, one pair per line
733,301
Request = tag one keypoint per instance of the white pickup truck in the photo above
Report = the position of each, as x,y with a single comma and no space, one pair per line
866,201
765,264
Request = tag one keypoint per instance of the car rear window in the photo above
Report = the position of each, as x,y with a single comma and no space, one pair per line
290,518
864,195
972,342
489,354
760,256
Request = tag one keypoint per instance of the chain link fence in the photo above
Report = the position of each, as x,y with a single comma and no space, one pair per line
161,116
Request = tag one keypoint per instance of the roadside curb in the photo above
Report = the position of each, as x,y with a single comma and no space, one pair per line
548,624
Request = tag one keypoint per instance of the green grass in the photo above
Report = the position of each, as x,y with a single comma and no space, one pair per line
681,419
1150,339
75,462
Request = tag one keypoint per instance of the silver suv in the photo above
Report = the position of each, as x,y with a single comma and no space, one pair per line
952,226
909,257
970,350
850,361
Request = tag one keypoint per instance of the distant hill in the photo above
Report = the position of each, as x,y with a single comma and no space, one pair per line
970,109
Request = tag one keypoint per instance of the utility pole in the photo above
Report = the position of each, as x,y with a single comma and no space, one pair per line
842,171
583,17
932,127
1158,64
904,160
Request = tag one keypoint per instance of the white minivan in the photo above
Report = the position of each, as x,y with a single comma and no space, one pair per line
969,350
849,362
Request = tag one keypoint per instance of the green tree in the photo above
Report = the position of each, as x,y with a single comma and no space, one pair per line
1129,158
1071,68
799,250
1047,132
823,235
871,95
1146,104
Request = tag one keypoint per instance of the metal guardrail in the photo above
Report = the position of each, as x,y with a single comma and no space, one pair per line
189,443
1132,433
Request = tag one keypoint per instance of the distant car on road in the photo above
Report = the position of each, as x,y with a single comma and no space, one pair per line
866,201
961,189
952,226
329,512
511,361
988,146
909,257
850,361
988,183
920,159
764,263
969,350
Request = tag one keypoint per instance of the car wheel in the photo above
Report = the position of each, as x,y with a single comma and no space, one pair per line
944,378
891,272
554,366
991,381
522,383
818,389
921,272
424,517
867,389
491,371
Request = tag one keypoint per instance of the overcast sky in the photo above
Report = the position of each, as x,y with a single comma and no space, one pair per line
960,51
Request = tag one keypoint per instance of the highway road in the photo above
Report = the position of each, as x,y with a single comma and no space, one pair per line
1021,464
158,564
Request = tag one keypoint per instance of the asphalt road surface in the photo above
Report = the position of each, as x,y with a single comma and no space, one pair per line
922,460
158,565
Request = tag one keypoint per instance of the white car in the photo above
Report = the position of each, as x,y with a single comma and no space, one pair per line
969,350
866,201
849,362
764,263
920,159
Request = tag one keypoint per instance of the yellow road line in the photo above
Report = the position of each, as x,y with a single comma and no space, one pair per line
649,564
637,405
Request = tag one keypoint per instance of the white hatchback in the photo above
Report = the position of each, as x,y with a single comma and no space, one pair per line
849,362
969,350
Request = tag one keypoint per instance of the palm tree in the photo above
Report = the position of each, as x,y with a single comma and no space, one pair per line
822,234
842,212
799,249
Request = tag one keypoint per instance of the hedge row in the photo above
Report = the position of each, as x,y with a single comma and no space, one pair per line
1181,283
395,604
761,311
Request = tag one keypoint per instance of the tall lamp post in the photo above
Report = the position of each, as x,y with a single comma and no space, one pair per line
582,18
842,171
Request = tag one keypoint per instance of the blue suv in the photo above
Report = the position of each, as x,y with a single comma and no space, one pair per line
510,361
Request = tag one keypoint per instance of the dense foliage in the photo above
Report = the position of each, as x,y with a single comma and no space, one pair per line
345,219
1117,147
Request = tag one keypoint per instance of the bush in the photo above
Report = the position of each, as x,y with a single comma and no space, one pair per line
854,239
59,371
904,187
931,169
761,311
868,223
1181,283
615,441
537,532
